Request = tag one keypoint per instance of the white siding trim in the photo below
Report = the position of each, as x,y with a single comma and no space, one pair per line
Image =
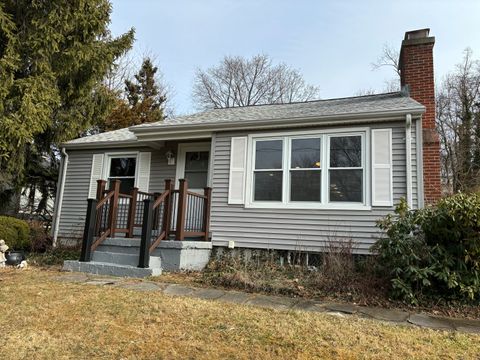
419,154
408,154
376,165
238,146
95,174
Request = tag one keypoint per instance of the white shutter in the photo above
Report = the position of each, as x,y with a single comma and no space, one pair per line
95,174
382,177
143,172
238,159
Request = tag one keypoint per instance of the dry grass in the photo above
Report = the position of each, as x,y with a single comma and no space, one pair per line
45,319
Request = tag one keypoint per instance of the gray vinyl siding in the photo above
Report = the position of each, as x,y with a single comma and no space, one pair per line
74,204
159,170
299,229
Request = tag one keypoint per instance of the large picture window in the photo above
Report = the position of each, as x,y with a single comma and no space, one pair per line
311,170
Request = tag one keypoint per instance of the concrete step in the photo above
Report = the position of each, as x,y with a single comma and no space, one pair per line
100,268
123,258
121,245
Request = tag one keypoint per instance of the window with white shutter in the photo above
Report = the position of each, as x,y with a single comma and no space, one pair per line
143,174
382,178
238,156
95,174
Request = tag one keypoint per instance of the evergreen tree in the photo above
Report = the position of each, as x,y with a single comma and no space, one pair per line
53,57
144,101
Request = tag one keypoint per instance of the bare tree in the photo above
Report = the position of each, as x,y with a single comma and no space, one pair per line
238,81
389,58
458,123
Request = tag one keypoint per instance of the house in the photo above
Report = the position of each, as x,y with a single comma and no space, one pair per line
286,177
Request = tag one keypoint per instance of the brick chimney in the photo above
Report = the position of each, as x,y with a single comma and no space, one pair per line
416,76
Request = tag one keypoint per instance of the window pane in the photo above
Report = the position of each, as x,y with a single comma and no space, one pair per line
268,154
346,185
126,185
196,160
196,179
305,185
122,166
306,153
268,186
346,151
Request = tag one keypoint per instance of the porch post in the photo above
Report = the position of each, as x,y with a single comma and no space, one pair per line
167,208
182,205
156,212
206,211
100,188
88,232
144,259
132,211
114,207
100,194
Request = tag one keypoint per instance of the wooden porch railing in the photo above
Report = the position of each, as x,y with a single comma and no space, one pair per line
179,213
188,211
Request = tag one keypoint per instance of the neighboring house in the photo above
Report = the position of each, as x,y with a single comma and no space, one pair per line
290,177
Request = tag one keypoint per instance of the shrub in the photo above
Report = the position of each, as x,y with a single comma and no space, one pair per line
54,257
15,232
40,240
433,252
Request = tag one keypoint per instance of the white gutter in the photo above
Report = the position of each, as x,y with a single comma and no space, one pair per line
419,140
408,151
59,197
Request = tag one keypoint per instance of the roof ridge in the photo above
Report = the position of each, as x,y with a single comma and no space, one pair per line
307,101
277,104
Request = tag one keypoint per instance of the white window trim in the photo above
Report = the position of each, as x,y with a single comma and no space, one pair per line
183,148
323,204
115,155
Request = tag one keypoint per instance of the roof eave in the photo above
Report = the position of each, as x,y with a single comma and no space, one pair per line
96,144
204,130
141,132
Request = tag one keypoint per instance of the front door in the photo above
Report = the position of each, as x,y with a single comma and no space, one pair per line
193,165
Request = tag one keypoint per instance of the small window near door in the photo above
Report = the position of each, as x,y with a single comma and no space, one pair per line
196,169
123,169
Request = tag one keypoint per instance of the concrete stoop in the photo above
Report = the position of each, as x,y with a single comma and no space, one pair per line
119,257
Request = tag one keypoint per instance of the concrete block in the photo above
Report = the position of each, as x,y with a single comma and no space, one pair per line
99,268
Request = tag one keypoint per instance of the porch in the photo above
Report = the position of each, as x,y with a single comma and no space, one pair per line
140,233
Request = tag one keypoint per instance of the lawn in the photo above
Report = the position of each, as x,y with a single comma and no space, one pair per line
46,319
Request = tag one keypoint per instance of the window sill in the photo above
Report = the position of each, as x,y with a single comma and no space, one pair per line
307,206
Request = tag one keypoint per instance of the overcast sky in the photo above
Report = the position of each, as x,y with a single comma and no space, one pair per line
331,42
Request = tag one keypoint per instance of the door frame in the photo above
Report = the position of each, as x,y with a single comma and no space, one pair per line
183,148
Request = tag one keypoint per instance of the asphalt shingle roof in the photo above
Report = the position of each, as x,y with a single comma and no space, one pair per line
309,109
109,136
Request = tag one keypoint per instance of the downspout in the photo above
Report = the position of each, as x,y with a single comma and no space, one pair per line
59,197
408,154
419,139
